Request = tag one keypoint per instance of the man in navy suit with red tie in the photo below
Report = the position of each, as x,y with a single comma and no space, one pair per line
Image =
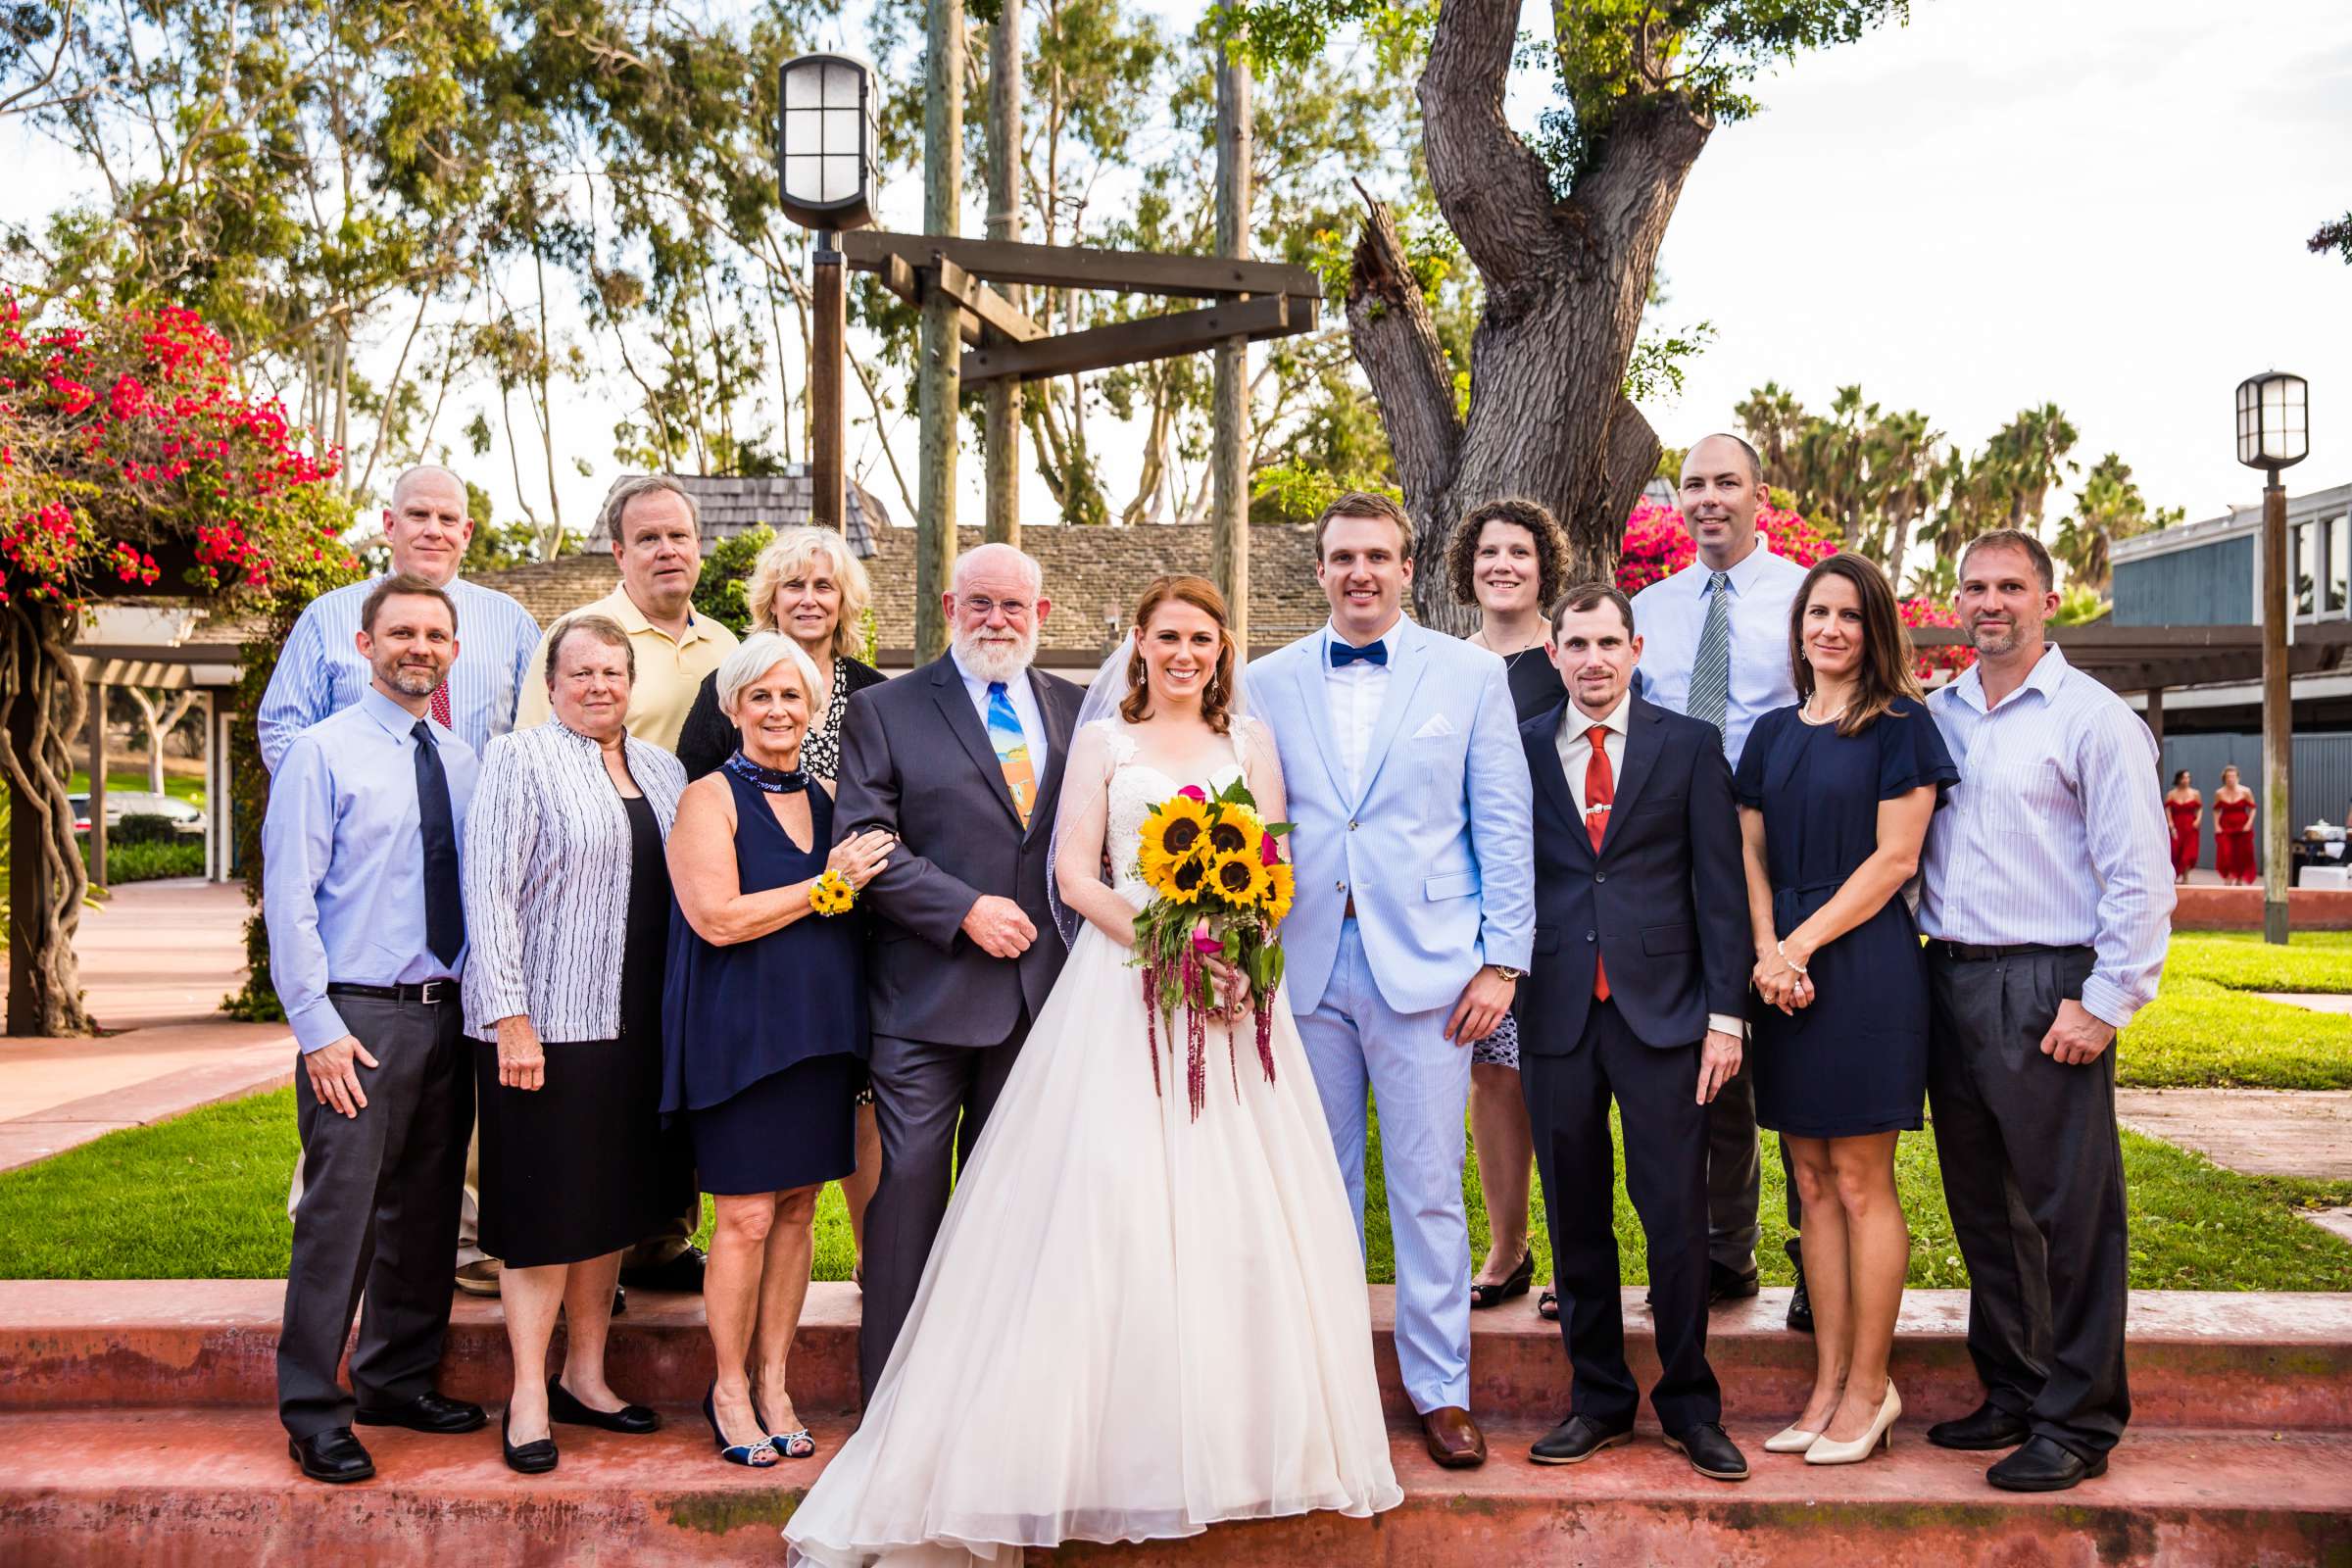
1635,993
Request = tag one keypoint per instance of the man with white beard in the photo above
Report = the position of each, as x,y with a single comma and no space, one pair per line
961,760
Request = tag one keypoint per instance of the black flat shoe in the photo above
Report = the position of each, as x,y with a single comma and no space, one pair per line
1516,1283
1985,1428
1711,1452
532,1458
2044,1464
333,1455
633,1419
682,1273
1576,1440
428,1412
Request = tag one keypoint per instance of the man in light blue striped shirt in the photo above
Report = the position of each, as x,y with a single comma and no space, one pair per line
2047,906
320,670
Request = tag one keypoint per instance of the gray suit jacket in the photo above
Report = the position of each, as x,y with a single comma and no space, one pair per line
916,760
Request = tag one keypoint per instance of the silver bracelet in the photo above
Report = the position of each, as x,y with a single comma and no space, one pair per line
1783,951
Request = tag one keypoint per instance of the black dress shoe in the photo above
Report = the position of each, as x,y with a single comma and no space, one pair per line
1711,1452
532,1458
428,1412
1724,1285
332,1455
2044,1464
1988,1426
634,1419
683,1272
1578,1438
621,1301
1800,1305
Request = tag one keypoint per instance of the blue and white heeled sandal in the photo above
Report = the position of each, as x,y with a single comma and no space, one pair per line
742,1453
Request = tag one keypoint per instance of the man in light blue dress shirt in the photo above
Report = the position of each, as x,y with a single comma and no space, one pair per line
319,673
1715,645
361,893
2046,897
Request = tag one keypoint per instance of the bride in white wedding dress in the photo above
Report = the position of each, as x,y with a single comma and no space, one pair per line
1132,1324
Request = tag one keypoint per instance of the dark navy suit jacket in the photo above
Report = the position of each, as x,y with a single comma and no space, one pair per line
1663,902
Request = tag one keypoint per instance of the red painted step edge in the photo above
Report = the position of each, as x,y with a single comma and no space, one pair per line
2198,1358
84,1490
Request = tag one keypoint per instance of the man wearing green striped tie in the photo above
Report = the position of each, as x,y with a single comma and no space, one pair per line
1715,645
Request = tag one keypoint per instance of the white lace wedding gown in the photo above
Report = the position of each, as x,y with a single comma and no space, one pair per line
1132,1324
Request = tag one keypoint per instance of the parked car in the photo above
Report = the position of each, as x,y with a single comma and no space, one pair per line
187,820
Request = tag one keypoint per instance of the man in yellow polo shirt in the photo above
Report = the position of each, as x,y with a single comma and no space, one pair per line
657,543
657,540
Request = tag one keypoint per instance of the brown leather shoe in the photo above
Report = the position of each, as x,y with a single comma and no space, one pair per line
1454,1438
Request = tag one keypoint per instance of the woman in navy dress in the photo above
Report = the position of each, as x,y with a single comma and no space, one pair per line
763,1031
1835,799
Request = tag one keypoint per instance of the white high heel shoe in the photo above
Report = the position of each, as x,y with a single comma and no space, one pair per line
1882,1430
1790,1439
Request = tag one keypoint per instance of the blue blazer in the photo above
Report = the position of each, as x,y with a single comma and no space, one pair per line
1663,902
1433,842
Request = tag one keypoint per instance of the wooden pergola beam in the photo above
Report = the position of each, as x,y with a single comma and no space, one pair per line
1080,268
1153,337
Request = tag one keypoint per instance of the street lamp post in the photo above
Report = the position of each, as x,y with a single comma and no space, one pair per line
2274,432
825,170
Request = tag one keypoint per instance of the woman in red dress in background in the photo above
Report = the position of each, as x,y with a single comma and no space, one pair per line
2233,830
2186,808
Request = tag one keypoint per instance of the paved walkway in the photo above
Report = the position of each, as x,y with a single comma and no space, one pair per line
156,960
2261,1132
2316,1001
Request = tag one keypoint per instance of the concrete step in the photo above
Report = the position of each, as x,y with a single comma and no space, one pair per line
2208,1360
167,1487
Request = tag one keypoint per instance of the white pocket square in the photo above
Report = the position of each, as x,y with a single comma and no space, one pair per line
1437,725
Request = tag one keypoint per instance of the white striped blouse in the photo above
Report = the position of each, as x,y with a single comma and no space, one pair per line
547,880
2055,833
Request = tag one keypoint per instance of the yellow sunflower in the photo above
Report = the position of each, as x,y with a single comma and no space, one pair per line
1171,836
1280,884
1235,828
1185,876
1238,879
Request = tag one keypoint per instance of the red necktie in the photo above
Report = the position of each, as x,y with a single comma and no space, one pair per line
1600,790
441,705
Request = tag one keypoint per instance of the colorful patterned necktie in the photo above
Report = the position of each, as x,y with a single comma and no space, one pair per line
1012,750
1600,793
1711,670
441,705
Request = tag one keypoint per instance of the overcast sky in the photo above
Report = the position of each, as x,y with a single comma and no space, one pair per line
2096,203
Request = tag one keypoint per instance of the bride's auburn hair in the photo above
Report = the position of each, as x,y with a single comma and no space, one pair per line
1216,695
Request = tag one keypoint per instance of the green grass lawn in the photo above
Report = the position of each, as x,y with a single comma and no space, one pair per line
188,788
203,1197
2203,1031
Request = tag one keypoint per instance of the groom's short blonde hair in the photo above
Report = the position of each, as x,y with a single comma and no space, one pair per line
1367,504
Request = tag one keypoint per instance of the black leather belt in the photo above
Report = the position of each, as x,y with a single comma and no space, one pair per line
433,993
1975,952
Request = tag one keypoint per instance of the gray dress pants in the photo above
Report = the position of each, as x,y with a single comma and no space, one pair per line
378,1217
2033,1175
931,1102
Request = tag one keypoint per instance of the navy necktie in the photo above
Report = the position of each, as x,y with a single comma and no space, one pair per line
437,823
1344,653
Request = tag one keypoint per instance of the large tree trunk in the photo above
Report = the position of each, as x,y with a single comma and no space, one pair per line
42,709
1565,286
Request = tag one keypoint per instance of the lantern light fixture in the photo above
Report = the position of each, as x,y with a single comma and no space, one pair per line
826,140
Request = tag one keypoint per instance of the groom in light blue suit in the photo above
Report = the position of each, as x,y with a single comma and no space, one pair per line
1414,915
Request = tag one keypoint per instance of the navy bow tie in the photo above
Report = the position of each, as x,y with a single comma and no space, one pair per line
1342,655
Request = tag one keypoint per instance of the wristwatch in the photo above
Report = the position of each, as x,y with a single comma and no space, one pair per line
1506,972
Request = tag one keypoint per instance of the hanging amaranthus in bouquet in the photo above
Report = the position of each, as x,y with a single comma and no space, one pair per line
1219,886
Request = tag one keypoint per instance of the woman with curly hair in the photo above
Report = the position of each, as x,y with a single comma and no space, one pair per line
1510,559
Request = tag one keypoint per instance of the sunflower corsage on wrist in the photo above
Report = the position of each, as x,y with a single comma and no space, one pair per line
1219,886
831,894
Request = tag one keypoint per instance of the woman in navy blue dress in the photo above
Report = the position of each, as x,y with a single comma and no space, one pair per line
763,1030
1835,799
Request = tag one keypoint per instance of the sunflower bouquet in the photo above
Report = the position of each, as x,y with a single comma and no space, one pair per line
1219,886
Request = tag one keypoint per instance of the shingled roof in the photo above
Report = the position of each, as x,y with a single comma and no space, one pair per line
731,506
1090,572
